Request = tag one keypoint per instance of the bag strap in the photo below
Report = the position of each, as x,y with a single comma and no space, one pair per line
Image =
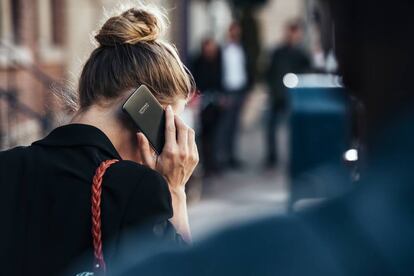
99,262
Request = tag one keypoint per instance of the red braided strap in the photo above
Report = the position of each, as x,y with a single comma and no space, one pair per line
99,263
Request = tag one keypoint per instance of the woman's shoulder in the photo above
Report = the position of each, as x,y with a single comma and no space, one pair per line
132,171
136,178
147,191
14,152
11,157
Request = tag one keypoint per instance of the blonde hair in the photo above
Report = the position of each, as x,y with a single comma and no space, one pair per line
130,53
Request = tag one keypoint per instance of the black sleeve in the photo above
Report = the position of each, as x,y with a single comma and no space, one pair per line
136,208
150,201
150,208
143,217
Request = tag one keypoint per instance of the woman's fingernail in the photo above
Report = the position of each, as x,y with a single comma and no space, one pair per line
169,108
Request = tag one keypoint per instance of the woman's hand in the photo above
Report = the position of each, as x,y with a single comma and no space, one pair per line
176,163
179,156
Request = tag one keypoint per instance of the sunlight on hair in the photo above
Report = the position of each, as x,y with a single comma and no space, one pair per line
158,11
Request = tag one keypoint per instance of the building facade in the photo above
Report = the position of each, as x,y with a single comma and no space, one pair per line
32,57
43,46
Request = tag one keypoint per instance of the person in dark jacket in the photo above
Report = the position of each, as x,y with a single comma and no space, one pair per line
235,88
207,72
287,58
367,231
45,203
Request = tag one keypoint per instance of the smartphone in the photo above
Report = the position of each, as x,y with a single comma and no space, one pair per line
148,115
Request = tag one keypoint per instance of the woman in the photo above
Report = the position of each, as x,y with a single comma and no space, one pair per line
46,195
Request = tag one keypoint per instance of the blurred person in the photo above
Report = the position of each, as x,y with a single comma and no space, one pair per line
207,72
235,82
46,187
287,58
368,230
251,41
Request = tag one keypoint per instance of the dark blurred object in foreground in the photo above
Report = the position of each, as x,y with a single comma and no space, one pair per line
368,231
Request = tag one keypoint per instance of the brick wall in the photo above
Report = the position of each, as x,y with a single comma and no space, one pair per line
27,72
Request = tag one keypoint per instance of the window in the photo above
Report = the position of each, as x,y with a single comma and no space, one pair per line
1,19
57,21
5,32
51,35
16,20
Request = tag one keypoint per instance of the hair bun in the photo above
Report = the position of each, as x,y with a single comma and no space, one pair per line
132,26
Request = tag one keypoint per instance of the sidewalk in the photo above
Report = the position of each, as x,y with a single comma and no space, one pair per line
252,192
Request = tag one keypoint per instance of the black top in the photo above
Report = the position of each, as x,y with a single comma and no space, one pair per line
45,203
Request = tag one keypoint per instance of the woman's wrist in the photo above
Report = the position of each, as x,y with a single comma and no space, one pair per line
178,192
180,216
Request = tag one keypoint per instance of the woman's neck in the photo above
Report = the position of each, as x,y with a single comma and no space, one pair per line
105,120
